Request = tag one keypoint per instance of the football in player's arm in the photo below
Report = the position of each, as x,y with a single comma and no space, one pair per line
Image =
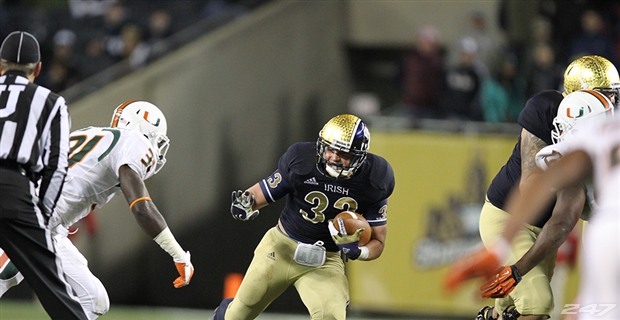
319,181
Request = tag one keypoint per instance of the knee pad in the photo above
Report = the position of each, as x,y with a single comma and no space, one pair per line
511,313
220,311
485,313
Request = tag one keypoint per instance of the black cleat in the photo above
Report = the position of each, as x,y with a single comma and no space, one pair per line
511,313
485,313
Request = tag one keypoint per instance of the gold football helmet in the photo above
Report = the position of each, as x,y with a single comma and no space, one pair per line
592,72
345,133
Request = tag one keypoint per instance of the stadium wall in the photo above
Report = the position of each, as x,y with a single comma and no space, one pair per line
234,100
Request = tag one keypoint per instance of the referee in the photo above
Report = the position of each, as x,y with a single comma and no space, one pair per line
34,146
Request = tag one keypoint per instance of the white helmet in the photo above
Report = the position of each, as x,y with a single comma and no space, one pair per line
576,106
146,118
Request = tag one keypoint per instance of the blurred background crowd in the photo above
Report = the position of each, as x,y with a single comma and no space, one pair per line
485,77
480,77
80,38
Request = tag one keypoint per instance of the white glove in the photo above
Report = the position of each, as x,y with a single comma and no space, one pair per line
186,270
241,207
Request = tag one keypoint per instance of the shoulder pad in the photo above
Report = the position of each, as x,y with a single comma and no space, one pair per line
381,173
299,159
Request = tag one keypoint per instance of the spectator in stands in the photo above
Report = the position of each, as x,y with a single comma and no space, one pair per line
462,84
88,8
563,16
63,70
488,45
503,94
95,58
422,77
595,38
159,28
159,25
133,48
544,72
114,19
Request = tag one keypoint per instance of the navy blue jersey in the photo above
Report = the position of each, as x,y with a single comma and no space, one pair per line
537,118
313,197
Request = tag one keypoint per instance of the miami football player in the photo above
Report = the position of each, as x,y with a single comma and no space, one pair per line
319,180
104,162
591,155
577,108
528,265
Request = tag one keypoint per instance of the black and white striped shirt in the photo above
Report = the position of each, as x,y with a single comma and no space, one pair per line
34,133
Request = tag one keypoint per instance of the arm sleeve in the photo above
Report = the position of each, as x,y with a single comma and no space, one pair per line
538,113
56,146
275,186
136,153
377,214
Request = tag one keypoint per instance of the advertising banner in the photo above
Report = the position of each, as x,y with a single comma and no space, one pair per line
441,181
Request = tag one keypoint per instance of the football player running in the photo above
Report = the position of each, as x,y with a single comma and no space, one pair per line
103,162
532,257
319,180
591,155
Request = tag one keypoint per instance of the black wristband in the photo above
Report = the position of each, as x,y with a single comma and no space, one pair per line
516,274
357,255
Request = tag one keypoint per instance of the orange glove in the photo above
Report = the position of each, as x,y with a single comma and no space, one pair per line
482,263
504,282
185,269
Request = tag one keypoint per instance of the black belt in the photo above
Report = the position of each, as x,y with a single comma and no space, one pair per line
11,164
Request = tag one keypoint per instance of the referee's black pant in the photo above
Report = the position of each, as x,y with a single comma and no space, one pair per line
29,245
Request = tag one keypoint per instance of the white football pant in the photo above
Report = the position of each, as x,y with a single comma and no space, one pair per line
600,275
89,289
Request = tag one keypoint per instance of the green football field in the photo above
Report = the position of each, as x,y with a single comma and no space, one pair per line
20,310
24,310
11,309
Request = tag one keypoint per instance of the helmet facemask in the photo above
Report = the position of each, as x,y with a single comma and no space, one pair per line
344,134
161,143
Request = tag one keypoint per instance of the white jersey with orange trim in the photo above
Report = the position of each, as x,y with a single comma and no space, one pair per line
600,277
601,141
548,155
95,157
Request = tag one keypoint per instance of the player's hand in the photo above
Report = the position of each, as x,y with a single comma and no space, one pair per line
502,284
241,207
186,270
349,244
481,263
